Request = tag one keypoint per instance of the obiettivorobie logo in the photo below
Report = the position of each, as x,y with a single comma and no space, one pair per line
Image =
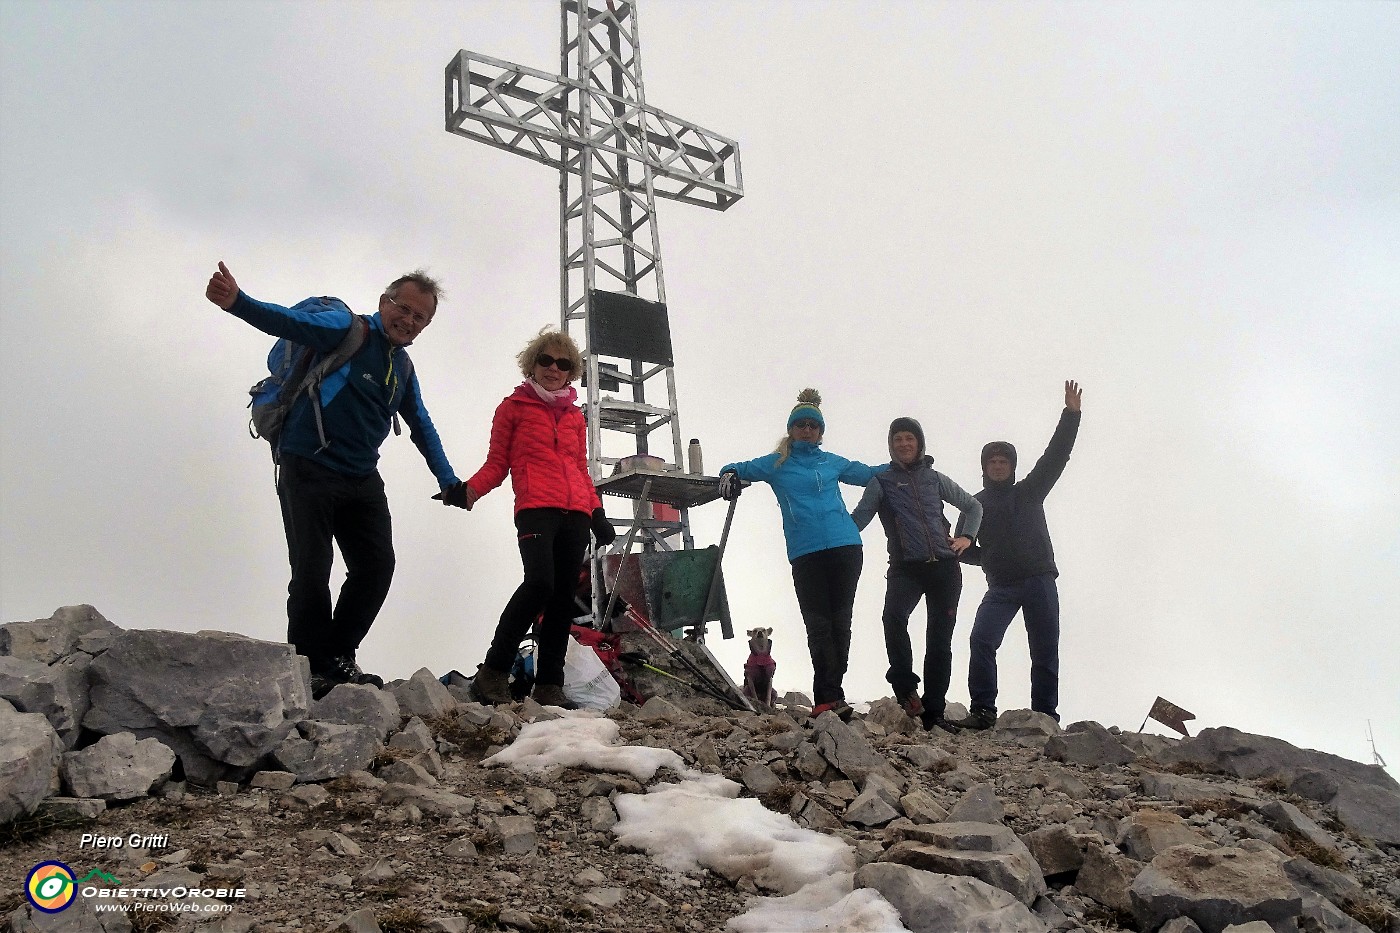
51,888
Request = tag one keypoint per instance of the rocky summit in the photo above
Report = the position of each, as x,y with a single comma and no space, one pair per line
166,780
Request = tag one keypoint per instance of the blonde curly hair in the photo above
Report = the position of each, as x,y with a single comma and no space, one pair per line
558,344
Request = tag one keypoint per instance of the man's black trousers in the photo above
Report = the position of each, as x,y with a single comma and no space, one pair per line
826,593
321,507
552,543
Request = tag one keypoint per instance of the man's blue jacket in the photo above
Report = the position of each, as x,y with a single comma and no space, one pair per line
358,401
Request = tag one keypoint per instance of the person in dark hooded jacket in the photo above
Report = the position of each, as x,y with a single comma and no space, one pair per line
1015,553
909,499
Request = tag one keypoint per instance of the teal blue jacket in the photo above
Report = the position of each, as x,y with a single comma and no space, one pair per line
806,484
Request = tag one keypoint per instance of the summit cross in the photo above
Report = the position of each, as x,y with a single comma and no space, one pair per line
615,154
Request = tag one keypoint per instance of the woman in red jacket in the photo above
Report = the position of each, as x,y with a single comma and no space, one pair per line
538,436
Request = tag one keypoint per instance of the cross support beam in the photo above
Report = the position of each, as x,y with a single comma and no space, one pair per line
535,114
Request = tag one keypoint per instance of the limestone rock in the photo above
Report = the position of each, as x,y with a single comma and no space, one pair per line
848,751
58,691
1056,848
1147,833
81,917
1106,877
30,754
319,751
1286,816
986,851
1185,789
117,767
870,809
939,903
1215,888
407,772
158,683
359,704
759,778
517,834
979,804
48,640
1366,798
1089,744
920,807
1024,723
428,799
423,695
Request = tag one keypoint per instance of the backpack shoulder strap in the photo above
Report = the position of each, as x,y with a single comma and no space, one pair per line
349,345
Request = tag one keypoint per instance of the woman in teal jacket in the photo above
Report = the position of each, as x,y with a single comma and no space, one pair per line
823,543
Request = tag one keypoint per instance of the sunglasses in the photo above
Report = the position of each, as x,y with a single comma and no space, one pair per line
807,423
564,364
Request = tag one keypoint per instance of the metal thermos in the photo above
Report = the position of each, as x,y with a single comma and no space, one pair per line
694,460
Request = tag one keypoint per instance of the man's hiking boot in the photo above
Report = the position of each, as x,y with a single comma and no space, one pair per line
321,684
840,707
552,695
912,705
980,718
345,668
491,687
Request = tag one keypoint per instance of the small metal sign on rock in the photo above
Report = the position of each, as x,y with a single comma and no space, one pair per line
1169,715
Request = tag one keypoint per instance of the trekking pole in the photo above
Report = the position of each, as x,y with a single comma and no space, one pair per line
639,659
675,654
725,626
626,549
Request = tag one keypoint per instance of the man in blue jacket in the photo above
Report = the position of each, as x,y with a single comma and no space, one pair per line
1015,553
332,492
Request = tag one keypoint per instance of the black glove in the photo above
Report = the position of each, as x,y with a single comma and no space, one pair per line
603,531
730,486
456,494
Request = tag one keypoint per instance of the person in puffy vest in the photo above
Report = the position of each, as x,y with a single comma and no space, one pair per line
909,499
539,438
823,544
332,493
1015,553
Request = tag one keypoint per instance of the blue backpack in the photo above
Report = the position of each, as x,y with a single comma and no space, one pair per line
293,369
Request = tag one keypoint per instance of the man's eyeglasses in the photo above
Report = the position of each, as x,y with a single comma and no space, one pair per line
419,320
564,364
807,424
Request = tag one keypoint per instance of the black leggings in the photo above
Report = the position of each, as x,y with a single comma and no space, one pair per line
552,544
826,593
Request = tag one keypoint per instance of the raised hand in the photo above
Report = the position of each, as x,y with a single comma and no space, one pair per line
1073,394
222,289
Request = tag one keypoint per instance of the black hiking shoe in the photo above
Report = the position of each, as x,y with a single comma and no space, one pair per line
322,684
348,672
979,719
939,722
913,706
552,695
492,687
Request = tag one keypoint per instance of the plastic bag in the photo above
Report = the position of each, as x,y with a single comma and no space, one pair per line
586,681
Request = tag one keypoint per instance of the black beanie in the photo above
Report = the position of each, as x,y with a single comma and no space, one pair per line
910,425
1003,448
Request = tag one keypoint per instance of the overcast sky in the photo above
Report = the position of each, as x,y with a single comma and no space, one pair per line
951,208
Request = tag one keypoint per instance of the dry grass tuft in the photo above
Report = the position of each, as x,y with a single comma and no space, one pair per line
402,920
1372,914
1318,855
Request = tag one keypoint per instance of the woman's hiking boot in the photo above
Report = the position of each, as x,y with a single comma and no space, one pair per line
840,707
552,695
492,687
913,706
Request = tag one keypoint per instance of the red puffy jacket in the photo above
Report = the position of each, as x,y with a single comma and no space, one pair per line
547,458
